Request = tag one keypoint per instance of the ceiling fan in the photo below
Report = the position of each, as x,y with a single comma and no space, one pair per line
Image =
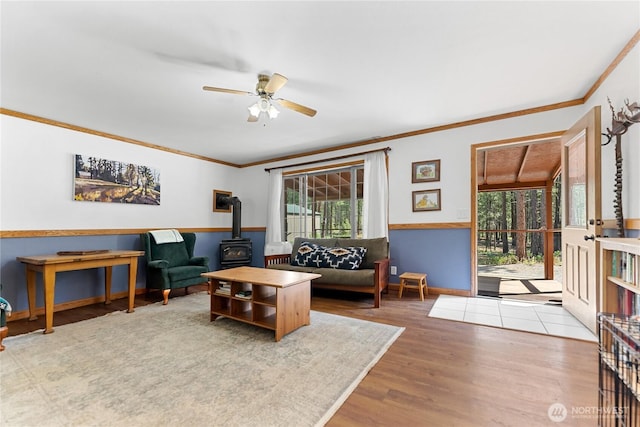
265,89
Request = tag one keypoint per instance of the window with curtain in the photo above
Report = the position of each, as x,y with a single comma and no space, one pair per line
324,204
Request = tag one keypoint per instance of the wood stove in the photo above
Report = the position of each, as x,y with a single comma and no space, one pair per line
237,251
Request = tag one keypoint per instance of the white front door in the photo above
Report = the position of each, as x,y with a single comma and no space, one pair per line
581,221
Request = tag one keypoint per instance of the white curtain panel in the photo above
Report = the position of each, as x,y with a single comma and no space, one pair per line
274,208
376,196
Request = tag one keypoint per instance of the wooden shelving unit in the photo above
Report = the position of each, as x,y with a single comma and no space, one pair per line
619,332
619,265
279,300
258,309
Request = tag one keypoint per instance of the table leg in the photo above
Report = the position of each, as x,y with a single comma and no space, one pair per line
31,293
213,285
293,305
49,279
4,331
133,268
107,284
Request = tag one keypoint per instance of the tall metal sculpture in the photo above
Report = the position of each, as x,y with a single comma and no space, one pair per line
620,123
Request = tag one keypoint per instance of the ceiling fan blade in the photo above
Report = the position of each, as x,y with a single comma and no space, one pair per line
275,83
252,118
232,91
297,107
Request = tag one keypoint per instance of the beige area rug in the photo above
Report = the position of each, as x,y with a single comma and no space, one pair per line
169,365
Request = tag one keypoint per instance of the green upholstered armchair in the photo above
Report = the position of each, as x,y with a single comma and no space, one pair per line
172,265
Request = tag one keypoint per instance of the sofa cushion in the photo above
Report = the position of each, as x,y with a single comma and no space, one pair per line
332,276
348,258
309,255
175,253
289,267
183,272
377,248
340,277
315,255
327,243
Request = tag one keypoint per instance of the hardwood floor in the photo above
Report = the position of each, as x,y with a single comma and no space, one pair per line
445,373
440,372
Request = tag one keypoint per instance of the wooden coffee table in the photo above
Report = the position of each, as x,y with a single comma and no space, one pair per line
273,299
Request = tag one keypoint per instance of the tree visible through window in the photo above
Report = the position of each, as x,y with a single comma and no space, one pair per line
324,204
512,225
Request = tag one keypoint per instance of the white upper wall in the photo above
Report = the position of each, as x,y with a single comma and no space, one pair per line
36,177
623,83
452,147
36,182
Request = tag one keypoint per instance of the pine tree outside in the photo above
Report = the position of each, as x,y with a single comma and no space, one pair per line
511,233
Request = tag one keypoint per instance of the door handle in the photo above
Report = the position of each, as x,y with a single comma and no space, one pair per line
595,222
592,237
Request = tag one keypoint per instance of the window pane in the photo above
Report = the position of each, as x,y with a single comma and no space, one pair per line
319,205
295,223
359,172
577,182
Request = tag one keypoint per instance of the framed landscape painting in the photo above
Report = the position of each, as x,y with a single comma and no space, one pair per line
425,171
110,181
426,200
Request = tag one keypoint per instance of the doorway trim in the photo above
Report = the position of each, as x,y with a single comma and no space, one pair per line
475,148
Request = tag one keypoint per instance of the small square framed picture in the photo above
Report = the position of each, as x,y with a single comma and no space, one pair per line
426,200
425,171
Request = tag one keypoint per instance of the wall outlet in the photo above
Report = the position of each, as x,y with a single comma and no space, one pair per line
394,270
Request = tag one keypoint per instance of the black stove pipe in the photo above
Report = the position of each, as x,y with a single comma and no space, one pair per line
237,214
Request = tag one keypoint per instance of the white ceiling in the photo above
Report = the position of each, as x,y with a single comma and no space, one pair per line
136,69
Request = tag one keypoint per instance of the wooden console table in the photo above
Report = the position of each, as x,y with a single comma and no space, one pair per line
49,265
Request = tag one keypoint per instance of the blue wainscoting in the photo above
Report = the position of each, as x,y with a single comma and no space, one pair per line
612,232
443,254
83,284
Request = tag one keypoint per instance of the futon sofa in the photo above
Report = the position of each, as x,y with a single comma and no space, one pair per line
355,265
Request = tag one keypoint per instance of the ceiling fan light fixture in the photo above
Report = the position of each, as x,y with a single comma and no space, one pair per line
254,110
264,104
272,112
265,89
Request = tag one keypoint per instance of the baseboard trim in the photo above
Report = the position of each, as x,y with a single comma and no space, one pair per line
24,314
437,291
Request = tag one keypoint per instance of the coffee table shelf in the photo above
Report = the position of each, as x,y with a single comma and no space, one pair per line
268,322
271,301
279,300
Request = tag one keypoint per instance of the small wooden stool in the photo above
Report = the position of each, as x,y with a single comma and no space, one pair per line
420,280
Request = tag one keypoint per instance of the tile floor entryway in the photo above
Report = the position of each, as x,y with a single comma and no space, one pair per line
503,313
